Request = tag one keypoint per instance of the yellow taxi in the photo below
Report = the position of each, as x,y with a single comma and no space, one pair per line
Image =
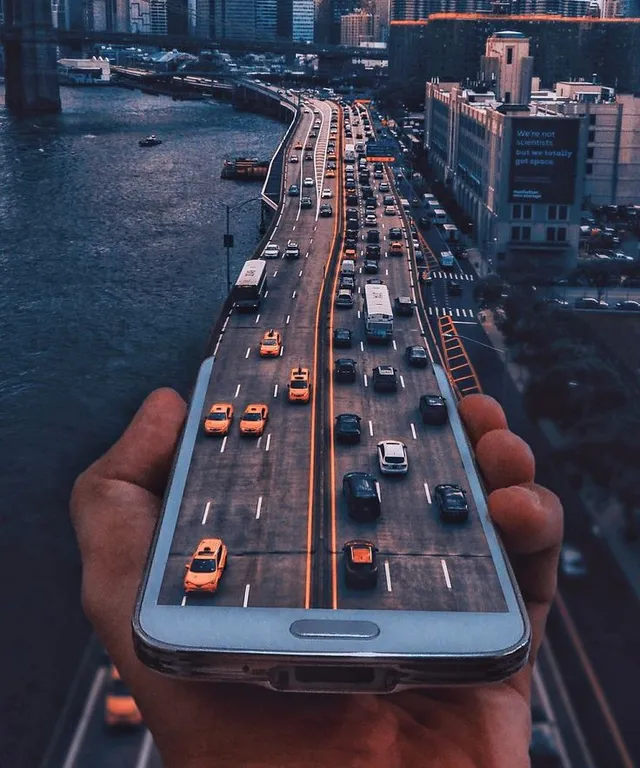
350,253
395,248
205,569
298,145
254,419
299,385
271,344
120,708
330,174
218,420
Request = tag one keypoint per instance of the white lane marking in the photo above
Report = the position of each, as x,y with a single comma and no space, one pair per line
275,273
445,570
413,297
226,323
268,445
275,390
413,431
426,490
245,602
293,227
287,320
259,507
145,751
430,310
237,391
183,602
300,273
224,444
402,381
371,428
395,346
311,239
206,512
293,295
358,314
248,353
387,574
359,289
464,313
259,441
215,351
411,283
386,272
378,491
306,255
457,312
281,350
258,318
366,381
464,322
87,712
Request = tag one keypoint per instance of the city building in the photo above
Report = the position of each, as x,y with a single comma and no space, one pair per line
303,20
450,47
94,71
565,8
246,19
360,27
107,15
516,169
612,9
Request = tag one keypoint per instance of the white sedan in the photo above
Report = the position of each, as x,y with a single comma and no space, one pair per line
392,457
308,182
327,193
370,220
389,210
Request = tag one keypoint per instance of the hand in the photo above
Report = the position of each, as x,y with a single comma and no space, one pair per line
114,508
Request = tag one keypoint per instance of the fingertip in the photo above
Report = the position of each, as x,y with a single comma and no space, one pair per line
529,518
481,414
504,459
164,403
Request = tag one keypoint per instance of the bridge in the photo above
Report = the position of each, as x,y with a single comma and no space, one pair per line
30,42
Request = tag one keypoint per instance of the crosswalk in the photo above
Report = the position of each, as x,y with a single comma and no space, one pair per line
461,276
453,311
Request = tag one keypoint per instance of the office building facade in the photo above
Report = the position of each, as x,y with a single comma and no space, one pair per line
246,19
357,28
303,20
516,170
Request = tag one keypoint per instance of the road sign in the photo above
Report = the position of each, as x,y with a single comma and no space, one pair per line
381,151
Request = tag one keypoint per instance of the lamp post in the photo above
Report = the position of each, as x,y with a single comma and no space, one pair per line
228,237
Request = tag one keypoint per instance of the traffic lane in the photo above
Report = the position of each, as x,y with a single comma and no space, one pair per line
602,605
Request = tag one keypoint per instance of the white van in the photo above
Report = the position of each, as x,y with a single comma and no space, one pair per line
428,199
405,204
348,267
450,233
440,216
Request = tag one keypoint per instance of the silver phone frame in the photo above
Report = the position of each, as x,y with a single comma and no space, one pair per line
256,643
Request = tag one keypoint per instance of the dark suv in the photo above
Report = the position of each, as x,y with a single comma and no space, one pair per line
361,494
345,369
433,409
385,378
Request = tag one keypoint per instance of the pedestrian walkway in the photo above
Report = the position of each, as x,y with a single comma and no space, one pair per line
604,510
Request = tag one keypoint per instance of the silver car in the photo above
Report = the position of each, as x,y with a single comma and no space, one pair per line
392,457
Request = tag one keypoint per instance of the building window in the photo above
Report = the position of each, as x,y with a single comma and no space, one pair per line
590,153
509,55
552,213
517,212
562,234
507,97
589,168
515,233
563,212
526,212
592,119
592,137
526,233
551,234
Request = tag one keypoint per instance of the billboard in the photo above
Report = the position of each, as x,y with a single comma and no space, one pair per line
543,160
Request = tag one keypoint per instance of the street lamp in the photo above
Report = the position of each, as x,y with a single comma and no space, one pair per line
228,237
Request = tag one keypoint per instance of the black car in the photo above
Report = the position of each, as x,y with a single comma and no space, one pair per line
361,494
360,564
352,213
452,503
375,281
349,184
352,225
371,266
351,239
424,222
420,257
433,409
385,378
352,198
308,157
348,282
363,177
628,306
373,236
371,204
395,233
589,302
372,251
417,356
341,337
367,192
389,200
454,288
348,428
306,202
326,210
345,369
403,306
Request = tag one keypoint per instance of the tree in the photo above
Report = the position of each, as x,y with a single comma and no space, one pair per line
487,291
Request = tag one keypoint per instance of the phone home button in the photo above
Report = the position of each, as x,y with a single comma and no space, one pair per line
338,629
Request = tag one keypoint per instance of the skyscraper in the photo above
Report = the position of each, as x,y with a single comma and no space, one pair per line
246,19
356,28
303,20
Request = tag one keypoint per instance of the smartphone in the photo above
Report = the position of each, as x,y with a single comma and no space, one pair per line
273,565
